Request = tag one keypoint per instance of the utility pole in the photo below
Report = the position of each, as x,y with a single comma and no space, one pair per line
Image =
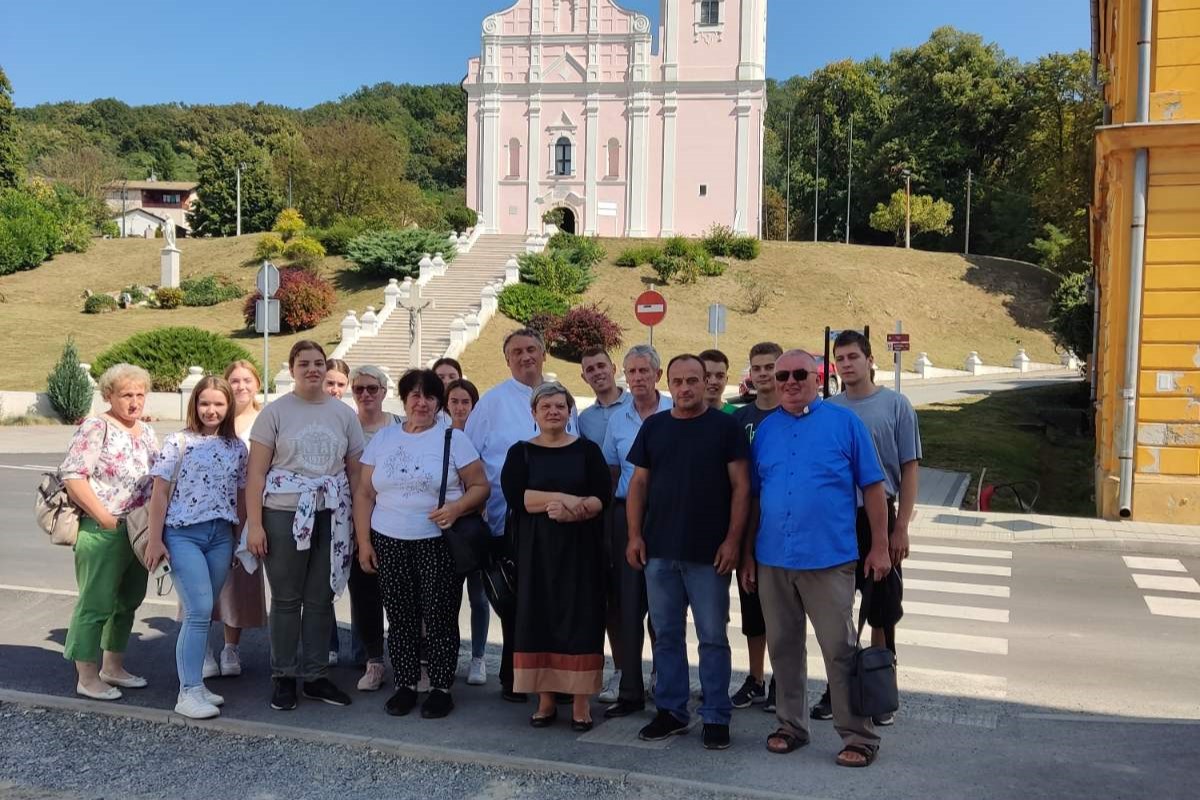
849,174
124,198
239,201
907,209
967,234
817,181
787,234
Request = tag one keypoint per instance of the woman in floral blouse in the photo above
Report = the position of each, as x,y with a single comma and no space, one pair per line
192,525
107,474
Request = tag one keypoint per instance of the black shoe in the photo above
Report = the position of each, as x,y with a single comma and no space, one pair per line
323,689
823,709
623,708
581,725
716,737
438,704
664,725
769,706
544,720
514,697
752,692
562,698
402,702
884,720
283,695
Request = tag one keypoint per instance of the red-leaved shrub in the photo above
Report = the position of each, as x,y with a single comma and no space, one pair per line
304,300
581,329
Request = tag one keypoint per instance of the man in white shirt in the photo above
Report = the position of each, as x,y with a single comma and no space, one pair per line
502,419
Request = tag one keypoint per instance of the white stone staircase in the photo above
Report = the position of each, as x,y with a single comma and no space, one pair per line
456,293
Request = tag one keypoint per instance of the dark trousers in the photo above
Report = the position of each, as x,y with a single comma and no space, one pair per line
632,608
502,547
366,611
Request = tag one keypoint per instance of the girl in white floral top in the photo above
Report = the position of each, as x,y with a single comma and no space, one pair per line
193,523
106,473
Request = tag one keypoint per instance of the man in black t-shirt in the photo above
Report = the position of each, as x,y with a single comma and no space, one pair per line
687,507
754,627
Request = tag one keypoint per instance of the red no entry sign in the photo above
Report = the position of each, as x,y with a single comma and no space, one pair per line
650,308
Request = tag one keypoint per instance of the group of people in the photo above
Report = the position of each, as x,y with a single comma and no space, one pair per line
625,515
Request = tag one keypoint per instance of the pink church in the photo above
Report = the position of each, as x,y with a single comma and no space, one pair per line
570,106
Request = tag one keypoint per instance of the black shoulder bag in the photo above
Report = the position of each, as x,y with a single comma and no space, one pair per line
500,574
873,690
468,537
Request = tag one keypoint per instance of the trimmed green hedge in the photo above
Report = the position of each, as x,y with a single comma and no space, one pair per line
166,353
523,301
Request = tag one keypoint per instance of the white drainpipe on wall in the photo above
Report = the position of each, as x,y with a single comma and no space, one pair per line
1137,265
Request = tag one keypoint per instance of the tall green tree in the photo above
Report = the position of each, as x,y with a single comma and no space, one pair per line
354,169
10,155
215,210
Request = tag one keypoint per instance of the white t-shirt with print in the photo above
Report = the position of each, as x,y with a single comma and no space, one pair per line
213,470
407,476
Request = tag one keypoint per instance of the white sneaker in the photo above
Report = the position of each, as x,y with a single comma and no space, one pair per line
477,674
611,692
211,669
423,684
212,697
231,662
192,704
333,658
372,679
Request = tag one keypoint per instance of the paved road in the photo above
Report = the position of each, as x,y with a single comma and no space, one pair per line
1026,671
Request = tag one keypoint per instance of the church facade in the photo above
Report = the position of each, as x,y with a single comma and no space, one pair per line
571,106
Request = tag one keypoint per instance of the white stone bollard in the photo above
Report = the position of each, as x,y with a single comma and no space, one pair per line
512,272
284,382
391,383
458,335
391,295
974,362
463,239
487,304
1021,361
439,264
369,322
1069,360
406,290
473,327
923,365
190,382
425,269
350,328
87,370
453,238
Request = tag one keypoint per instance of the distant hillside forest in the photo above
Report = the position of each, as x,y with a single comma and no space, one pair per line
951,105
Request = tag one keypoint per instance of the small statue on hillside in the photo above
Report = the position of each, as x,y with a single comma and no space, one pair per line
169,233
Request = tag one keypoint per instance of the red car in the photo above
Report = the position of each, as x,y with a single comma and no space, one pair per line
746,391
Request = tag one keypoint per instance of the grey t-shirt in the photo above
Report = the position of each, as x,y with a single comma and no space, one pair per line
893,425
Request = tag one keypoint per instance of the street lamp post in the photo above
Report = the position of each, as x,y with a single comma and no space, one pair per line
817,182
907,209
787,234
240,166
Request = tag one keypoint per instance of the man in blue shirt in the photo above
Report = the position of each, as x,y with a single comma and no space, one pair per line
808,461
687,507
643,370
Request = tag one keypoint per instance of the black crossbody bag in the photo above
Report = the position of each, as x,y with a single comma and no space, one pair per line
873,689
468,538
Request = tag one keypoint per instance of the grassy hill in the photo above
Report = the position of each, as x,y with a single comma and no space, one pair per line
42,307
950,304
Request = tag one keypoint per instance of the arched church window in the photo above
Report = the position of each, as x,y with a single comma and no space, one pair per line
514,158
562,156
614,158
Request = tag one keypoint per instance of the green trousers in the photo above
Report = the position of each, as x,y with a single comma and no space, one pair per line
112,584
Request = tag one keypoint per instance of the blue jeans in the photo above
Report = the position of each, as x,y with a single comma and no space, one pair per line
201,555
481,614
672,586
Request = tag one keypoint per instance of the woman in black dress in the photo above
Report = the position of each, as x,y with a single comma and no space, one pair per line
558,485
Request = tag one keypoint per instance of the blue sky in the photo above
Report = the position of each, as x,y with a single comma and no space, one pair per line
302,52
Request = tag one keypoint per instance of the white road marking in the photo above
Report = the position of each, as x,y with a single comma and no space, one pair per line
28,468
974,552
1166,583
1173,606
1159,564
950,587
155,601
992,645
950,566
955,611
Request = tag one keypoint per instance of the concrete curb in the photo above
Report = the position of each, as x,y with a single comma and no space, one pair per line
1110,542
415,752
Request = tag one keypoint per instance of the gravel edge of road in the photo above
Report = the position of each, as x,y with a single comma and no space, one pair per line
390,747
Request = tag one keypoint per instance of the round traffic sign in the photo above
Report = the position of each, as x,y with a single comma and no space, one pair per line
650,308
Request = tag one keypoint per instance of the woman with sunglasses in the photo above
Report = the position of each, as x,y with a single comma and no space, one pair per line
368,385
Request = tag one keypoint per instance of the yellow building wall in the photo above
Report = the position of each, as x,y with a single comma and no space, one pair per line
1166,484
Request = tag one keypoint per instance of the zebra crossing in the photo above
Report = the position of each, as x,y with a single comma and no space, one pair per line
1175,593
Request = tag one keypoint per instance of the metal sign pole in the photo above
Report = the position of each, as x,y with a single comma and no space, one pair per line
898,355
